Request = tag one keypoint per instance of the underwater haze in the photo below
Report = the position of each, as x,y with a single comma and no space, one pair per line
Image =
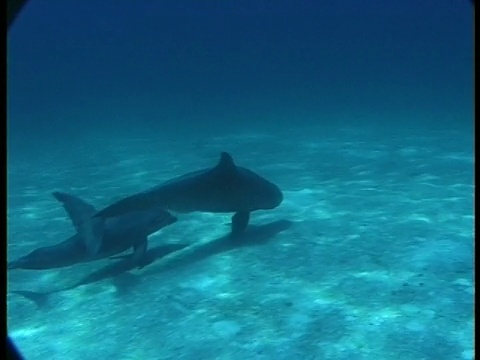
361,112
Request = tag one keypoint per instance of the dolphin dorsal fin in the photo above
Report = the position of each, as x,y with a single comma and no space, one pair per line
76,208
226,162
81,214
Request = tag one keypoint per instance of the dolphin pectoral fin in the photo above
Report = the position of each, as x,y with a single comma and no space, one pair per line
137,257
239,222
139,250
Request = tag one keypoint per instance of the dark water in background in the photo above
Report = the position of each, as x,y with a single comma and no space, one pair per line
171,68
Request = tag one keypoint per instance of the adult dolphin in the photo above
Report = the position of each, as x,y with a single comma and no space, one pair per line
225,188
96,238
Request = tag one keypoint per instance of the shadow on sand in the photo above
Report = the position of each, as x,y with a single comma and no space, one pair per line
166,257
253,236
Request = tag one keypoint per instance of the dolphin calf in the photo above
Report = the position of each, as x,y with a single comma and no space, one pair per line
225,188
96,238
109,271
169,256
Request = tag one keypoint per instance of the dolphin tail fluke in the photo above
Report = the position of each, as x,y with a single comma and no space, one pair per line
239,223
76,208
81,213
40,299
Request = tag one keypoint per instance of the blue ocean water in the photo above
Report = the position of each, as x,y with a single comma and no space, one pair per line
361,112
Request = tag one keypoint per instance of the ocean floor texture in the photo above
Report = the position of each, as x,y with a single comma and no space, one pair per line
370,255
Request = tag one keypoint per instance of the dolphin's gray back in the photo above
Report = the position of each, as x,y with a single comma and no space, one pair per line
222,189
207,191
